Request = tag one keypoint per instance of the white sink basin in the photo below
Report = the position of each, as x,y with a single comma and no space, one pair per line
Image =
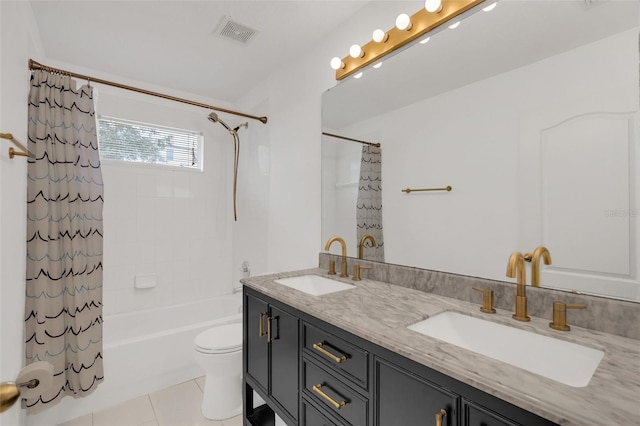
314,284
565,362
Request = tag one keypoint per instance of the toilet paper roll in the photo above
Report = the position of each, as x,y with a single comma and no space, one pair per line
39,370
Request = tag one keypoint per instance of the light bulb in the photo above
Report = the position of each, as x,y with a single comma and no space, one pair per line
425,40
403,22
379,36
378,65
433,6
454,25
358,75
336,63
490,7
355,51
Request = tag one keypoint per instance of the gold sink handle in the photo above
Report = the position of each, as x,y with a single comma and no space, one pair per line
487,300
356,271
560,315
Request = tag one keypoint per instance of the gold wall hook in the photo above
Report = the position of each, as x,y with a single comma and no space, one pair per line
24,152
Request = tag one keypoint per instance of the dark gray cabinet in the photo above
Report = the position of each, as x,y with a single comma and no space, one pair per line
406,399
271,357
477,415
312,373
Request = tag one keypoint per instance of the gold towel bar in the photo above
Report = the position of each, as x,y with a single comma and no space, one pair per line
409,190
24,152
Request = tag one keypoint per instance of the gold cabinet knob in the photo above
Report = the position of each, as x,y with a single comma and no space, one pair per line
440,417
560,315
487,300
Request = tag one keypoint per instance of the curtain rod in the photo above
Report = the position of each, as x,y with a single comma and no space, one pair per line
377,145
33,65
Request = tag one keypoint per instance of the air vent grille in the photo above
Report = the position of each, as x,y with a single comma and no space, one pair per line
231,30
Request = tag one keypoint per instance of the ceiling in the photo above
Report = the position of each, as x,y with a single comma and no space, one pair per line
173,43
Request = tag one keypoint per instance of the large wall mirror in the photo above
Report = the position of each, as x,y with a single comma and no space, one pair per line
530,113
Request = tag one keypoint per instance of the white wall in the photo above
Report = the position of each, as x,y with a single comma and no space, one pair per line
294,130
19,41
171,223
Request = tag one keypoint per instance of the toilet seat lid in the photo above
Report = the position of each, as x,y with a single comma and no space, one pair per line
220,339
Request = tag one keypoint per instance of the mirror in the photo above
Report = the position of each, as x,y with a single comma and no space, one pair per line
530,113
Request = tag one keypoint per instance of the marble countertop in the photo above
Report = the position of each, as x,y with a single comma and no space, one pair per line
380,312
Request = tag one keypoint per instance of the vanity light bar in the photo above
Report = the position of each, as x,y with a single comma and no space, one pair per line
421,23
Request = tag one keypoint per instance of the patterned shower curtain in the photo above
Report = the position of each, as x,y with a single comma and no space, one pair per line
369,204
63,309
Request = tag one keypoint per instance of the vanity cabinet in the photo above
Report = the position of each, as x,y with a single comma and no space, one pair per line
476,415
301,365
271,356
406,399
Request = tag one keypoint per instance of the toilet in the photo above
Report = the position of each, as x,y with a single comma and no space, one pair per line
218,351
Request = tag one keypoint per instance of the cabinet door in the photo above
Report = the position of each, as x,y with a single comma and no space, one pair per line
256,346
284,360
477,415
405,399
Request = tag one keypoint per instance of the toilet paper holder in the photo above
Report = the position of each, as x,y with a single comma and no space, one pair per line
10,392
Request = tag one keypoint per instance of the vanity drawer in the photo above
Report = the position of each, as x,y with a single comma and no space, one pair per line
329,392
314,417
334,352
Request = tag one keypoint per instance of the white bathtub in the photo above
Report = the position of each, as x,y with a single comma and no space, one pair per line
146,351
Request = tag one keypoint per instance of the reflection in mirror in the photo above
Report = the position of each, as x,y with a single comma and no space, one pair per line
531,113
359,190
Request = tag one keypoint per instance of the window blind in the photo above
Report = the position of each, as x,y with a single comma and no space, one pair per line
131,141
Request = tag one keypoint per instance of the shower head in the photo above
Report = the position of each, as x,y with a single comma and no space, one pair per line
214,118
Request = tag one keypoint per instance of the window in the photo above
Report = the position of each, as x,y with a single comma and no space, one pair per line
130,141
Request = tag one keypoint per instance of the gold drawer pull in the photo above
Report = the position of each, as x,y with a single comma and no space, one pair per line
318,347
337,405
261,329
440,416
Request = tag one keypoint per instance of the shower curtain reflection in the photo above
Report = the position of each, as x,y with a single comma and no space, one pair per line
369,204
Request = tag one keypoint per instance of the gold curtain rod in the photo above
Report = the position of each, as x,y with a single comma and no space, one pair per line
33,65
377,145
24,152
409,190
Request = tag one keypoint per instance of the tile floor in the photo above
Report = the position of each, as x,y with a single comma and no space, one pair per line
177,405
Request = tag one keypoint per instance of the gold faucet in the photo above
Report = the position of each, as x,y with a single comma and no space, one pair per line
343,264
535,263
364,238
516,264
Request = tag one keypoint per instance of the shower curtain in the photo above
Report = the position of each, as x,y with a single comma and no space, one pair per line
369,204
63,308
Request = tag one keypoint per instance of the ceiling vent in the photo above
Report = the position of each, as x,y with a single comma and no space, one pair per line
230,30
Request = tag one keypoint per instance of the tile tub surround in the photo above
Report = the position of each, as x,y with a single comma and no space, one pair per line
619,317
380,313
